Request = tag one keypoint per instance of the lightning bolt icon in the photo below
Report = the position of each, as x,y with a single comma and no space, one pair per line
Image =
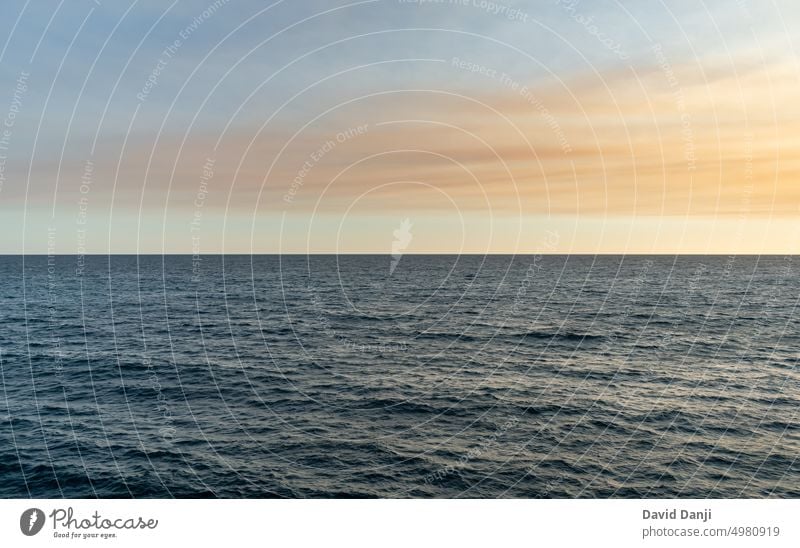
33,518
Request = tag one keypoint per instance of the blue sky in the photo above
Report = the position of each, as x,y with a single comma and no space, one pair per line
253,74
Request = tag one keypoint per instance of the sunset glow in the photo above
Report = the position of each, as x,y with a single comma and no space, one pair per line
646,137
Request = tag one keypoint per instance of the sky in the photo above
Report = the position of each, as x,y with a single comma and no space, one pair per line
470,126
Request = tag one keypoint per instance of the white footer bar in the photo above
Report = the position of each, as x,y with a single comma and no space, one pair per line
354,523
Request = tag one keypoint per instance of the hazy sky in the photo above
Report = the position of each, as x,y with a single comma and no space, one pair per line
321,126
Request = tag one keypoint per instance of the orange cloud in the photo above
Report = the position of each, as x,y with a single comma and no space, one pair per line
664,140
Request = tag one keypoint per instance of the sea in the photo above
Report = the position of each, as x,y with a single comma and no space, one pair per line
405,376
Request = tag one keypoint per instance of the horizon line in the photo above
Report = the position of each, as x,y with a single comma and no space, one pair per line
372,254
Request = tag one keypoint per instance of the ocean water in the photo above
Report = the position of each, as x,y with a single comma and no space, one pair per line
435,376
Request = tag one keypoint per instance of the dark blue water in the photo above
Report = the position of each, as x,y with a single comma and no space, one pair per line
452,376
